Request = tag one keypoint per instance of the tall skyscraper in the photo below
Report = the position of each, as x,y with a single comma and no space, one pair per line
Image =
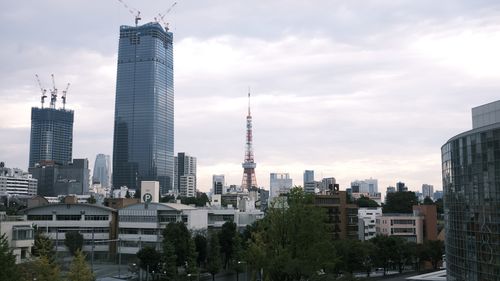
143,144
471,185
369,186
249,182
280,183
51,135
401,187
185,174
308,176
102,170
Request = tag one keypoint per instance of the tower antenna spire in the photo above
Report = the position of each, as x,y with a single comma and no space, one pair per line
249,181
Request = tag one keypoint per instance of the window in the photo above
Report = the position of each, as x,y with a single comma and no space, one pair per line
68,217
96,217
39,217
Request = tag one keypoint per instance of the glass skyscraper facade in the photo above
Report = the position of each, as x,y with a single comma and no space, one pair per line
51,135
471,183
143,144
102,170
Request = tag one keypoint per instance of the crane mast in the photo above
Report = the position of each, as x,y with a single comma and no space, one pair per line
42,90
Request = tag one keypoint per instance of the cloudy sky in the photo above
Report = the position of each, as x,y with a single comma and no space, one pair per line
350,89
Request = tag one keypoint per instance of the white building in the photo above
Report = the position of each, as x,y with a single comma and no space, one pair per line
427,191
16,182
367,218
280,183
184,165
96,223
20,235
187,186
369,186
407,226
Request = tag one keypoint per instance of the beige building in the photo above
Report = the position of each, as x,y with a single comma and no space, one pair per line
20,235
408,226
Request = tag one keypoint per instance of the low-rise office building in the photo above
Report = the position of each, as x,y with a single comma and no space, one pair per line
97,224
407,226
19,234
16,182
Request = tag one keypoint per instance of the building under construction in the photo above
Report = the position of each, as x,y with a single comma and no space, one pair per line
51,129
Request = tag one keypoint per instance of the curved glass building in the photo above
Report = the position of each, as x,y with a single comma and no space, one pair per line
143,144
471,183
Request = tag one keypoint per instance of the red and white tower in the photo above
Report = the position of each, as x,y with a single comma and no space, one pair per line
249,182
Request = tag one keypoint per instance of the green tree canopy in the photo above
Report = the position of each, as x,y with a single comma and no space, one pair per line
73,241
214,260
400,202
7,261
201,244
43,247
179,236
428,201
226,241
366,202
79,269
149,259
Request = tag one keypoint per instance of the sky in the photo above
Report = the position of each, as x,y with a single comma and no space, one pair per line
349,89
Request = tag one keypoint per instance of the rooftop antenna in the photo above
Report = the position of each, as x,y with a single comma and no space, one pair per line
53,93
64,95
162,15
42,90
133,11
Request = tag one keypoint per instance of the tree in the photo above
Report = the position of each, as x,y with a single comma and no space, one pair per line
200,242
73,241
428,201
178,235
127,195
214,261
149,259
79,269
226,238
432,251
191,265
237,262
169,259
45,270
366,202
91,200
439,206
400,202
7,261
44,247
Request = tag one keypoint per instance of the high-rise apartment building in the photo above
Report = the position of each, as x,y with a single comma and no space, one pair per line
143,144
102,170
185,166
51,135
308,176
471,185
427,191
218,183
280,183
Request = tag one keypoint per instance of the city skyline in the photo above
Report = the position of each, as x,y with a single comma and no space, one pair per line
348,90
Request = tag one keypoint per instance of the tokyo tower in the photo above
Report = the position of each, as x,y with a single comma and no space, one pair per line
249,182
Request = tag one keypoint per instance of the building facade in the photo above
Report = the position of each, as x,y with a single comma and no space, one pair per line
51,135
308,176
218,184
20,235
279,183
367,222
185,174
427,191
369,186
143,143
54,179
15,182
102,170
342,218
407,226
471,185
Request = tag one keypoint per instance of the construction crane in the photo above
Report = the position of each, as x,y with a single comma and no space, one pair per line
43,90
133,11
64,96
53,93
162,15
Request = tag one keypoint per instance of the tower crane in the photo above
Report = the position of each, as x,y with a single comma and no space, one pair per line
43,91
53,93
162,15
64,96
133,11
